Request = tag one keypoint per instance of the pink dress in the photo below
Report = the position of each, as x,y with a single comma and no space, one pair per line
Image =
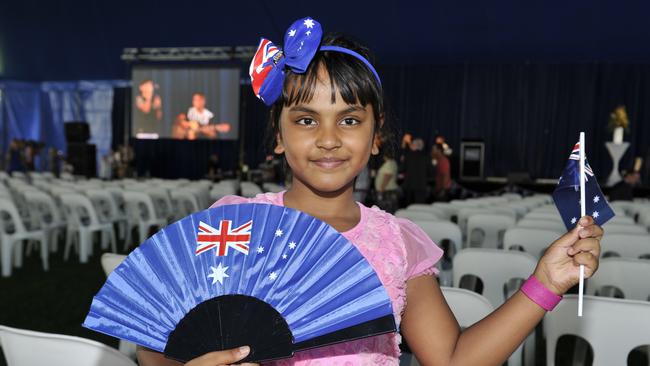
398,250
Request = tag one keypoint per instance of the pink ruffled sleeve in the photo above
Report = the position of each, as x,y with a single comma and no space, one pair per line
230,200
421,253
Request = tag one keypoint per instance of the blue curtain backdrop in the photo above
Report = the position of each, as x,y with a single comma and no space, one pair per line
38,111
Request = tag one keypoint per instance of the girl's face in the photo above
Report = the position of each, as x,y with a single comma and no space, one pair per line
326,144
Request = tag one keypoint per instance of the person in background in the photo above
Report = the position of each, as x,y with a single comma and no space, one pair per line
624,190
446,149
362,185
386,188
214,170
14,157
416,168
443,173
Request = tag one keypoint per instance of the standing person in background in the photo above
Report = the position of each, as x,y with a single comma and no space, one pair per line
148,105
386,188
416,168
443,173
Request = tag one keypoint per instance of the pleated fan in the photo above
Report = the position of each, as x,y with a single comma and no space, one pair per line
261,275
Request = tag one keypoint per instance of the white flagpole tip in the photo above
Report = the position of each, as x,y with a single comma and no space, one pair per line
583,212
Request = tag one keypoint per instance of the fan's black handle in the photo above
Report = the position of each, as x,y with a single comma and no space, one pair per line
227,322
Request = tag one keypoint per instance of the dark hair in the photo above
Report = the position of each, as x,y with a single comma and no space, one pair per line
349,77
199,94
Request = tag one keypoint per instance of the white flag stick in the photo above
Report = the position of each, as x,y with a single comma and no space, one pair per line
583,212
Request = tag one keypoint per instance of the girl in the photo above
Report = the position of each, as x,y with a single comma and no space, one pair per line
324,119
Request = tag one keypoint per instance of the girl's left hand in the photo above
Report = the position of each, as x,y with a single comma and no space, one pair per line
559,268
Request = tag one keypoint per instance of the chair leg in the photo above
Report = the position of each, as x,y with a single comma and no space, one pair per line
6,253
144,231
18,253
85,243
127,240
45,251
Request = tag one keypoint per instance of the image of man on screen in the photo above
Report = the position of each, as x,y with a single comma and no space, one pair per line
199,115
149,107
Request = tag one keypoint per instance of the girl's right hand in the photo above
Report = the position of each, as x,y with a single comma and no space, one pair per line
221,358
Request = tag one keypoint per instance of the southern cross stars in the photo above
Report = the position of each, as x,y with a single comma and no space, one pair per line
595,214
292,33
292,245
574,220
596,199
260,250
273,276
309,23
218,274
278,233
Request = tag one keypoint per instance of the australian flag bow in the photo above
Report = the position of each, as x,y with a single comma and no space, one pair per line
301,41
567,193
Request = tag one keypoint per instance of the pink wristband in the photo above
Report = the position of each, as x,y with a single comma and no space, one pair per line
540,295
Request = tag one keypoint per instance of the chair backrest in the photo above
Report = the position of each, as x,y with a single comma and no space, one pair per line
542,224
468,306
110,261
24,347
487,230
105,202
162,202
613,327
626,245
185,201
546,216
494,267
43,205
624,229
533,241
428,208
621,219
465,213
628,275
441,230
416,215
249,189
7,206
139,205
80,207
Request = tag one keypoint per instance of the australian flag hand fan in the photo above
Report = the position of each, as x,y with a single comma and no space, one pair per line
266,276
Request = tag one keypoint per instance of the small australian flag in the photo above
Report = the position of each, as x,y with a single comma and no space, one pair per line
567,194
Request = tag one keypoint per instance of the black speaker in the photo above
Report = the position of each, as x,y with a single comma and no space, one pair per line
83,157
472,157
77,132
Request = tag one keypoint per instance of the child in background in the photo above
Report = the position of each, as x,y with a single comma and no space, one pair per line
326,108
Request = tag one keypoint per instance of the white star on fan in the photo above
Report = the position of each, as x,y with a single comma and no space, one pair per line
573,220
596,199
308,33
309,23
292,33
260,250
292,245
595,214
278,232
273,276
284,256
218,274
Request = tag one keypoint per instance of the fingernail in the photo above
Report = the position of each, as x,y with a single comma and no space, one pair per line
584,221
243,350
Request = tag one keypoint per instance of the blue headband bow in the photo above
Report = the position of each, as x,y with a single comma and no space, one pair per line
301,42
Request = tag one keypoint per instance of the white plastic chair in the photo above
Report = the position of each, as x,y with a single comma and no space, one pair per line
533,241
272,187
249,189
468,306
447,209
624,229
621,219
441,230
162,203
107,207
464,214
25,347
625,245
428,208
142,214
554,225
487,230
628,275
613,327
185,202
416,215
49,215
496,268
110,261
11,241
83,222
